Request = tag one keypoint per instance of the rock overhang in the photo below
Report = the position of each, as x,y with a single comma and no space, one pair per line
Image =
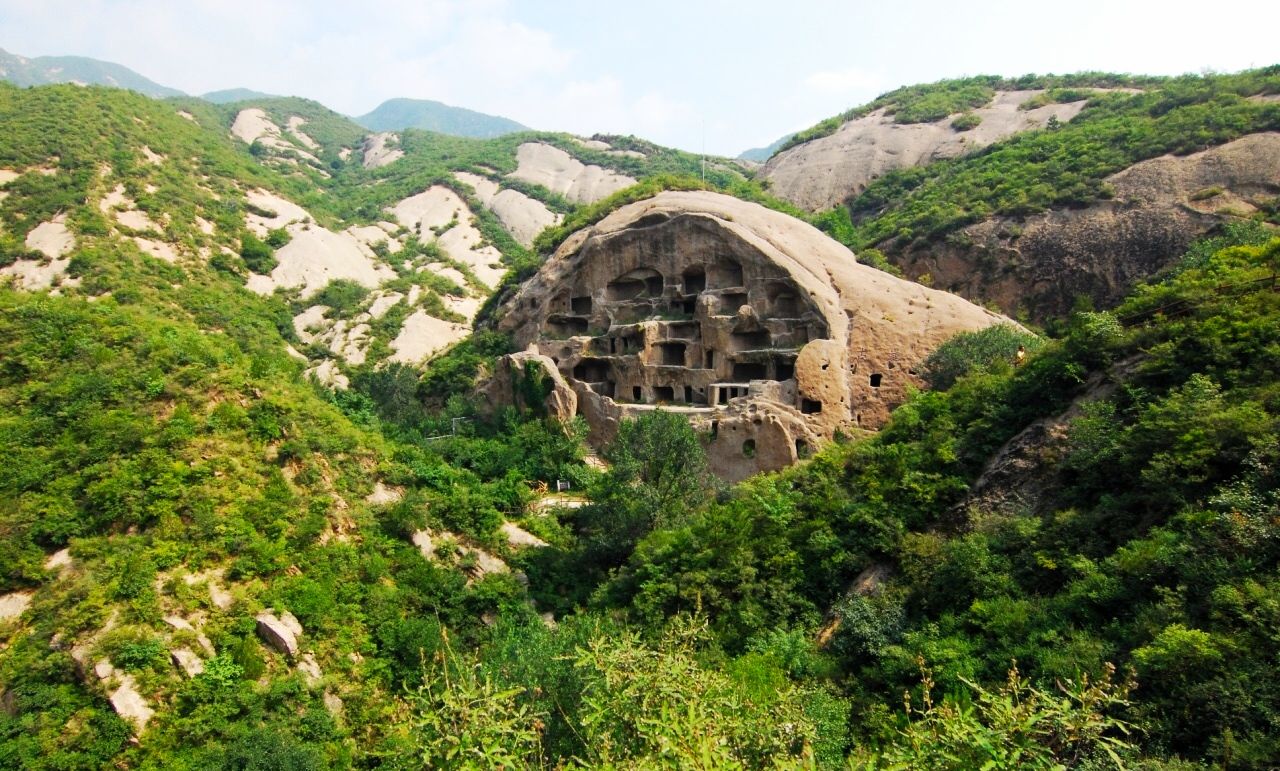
765,332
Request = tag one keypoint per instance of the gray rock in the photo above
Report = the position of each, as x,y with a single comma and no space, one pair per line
278,634
310,669
186,660
129,704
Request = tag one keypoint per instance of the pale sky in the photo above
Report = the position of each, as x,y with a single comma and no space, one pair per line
707,75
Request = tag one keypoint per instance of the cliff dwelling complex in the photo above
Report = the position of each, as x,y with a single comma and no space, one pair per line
766,333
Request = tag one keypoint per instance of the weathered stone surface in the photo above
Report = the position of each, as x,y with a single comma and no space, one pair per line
559,172
279,633
522,216
218,596
518,536
310,669
380,149
478,562
1043,263
822,173
182,625
333,703
129,704
762,330
187,661
504,387
13,604
383,495
59,561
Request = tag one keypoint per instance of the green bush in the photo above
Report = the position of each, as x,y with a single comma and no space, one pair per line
967,352
341,296
258,256
966,121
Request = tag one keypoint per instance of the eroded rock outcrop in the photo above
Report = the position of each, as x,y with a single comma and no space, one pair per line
824,172
518,377
280,632
1042,263
559,172
766,333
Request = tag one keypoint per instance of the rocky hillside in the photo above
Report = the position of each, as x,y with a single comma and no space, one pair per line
1040,263
1107,177
826,171
212,559
413,229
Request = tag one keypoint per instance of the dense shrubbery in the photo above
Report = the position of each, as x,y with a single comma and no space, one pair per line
977,351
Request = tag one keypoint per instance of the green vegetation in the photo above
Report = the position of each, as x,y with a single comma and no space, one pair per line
967,121
970,352
1111,602
399,114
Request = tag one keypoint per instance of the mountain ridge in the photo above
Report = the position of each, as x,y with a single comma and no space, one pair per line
44,70
429,115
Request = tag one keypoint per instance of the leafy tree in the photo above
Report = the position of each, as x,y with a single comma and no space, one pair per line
658,476
462,719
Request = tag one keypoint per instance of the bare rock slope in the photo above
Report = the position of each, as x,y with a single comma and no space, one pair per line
761,329
559,172
824,172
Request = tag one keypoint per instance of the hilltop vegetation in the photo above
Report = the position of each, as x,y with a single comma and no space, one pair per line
928,102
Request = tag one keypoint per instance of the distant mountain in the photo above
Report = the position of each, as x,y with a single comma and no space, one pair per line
43,70
229,95
762,154
397,114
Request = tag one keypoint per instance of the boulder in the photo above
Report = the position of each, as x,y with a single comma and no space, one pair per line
187,661
517,536
13,604
279,633
310,669
333,703
129,704
518,375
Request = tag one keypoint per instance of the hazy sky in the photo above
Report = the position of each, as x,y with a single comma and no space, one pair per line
710,74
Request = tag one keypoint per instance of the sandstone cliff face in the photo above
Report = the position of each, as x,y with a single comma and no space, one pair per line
825,172
1042,263
766,333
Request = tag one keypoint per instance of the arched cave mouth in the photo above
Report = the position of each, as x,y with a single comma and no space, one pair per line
638,284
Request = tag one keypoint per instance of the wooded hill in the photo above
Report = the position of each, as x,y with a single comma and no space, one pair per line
1070,561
